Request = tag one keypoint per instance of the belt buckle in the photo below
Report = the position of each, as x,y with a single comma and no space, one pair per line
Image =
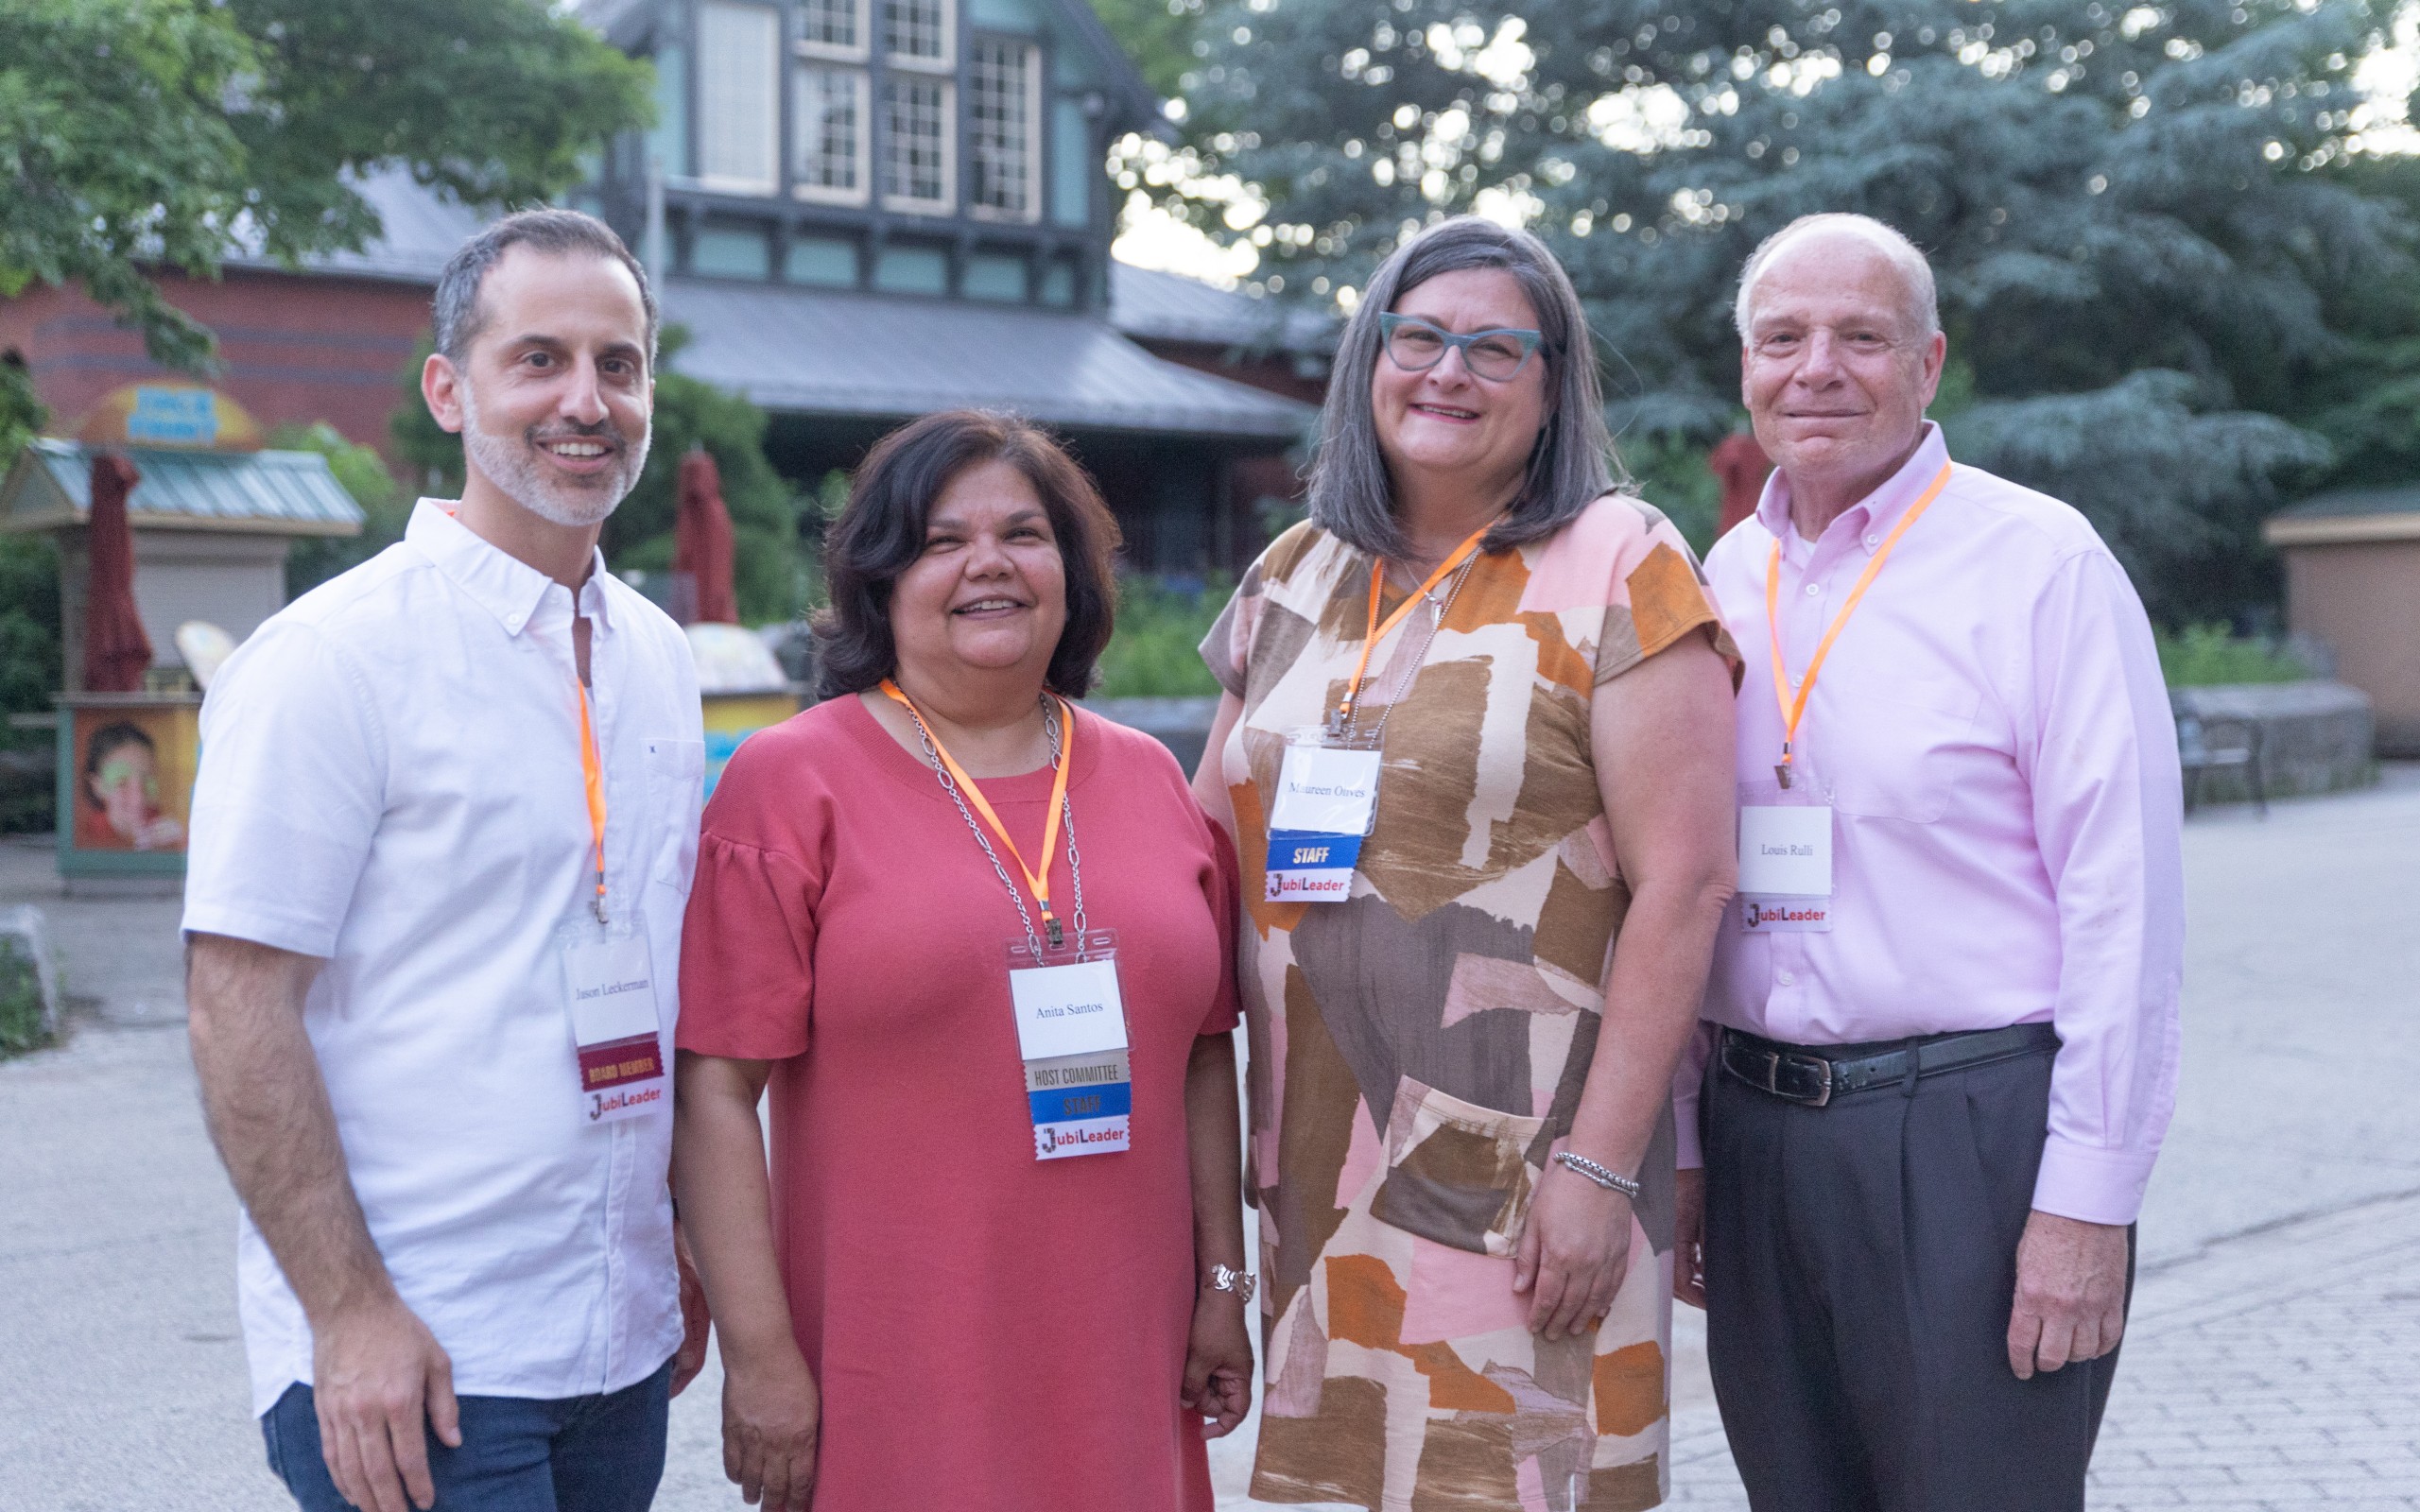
1809,1084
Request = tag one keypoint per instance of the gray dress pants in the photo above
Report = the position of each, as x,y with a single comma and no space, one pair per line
1861,1263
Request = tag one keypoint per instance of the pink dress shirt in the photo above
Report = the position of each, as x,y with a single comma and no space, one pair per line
1993,735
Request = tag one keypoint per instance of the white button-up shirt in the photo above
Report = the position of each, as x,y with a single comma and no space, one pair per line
390,779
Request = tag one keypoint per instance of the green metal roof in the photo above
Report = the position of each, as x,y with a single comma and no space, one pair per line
292,493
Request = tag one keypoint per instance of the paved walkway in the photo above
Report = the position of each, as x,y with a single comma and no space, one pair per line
2275,1359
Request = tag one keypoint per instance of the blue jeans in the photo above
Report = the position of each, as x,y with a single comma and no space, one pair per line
601,1454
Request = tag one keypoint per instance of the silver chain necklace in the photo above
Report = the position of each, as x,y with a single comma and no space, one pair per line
1067,813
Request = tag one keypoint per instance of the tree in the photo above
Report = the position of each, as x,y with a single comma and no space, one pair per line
1156,34
145,134
2151,223
765,511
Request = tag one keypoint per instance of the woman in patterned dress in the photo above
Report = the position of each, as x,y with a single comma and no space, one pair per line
1453,1316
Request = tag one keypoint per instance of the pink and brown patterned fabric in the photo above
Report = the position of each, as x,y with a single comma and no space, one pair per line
1418,1049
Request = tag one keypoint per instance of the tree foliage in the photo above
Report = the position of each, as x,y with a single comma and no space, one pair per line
141,134
1156,34
2153,226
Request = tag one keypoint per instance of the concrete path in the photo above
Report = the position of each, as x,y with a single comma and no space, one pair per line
2271,1361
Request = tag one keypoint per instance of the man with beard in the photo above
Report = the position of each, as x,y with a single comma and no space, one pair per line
443,835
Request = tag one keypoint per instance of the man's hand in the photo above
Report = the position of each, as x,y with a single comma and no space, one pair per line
1574,1252
1217,1364
696,1322
1688,1238
771,1414
381,1384
2070,1292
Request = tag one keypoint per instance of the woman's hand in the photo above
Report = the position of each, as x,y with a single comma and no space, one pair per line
771,1416
1574,1252
1217,1363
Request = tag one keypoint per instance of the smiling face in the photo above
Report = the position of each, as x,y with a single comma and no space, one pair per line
989,592
1837,369
554,395
127,787
1447,422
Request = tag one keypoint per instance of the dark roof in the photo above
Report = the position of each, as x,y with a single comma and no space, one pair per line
2352,504
822,353
1172,307
418,228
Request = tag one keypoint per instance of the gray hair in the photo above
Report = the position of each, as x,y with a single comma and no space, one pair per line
1570,467
1924,304
460,316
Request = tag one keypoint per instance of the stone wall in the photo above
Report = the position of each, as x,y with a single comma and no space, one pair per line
2316,736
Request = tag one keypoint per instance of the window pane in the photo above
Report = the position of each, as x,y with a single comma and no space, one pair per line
829,23
737,58
1000,119
914,28
916,122
828,129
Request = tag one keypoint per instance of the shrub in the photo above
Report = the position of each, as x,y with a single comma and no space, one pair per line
2200,655
21,1020
1155,652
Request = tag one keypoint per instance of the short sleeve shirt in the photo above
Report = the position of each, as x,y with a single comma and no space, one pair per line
390,779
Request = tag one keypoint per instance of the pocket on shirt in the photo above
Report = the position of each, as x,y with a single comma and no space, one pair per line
1457,1172
676,774
1891,755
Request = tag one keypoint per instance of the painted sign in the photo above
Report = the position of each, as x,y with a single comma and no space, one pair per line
172,415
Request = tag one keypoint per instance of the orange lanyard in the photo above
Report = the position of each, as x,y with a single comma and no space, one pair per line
1794,709
1038,882
1375,632
593,772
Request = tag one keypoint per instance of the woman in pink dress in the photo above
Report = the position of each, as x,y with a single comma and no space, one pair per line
979,942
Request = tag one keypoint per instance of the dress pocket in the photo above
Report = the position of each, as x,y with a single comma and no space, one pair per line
1457,1172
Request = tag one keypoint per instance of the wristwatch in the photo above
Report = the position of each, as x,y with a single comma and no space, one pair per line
1227,1279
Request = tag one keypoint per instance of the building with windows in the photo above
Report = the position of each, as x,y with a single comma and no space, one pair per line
861,211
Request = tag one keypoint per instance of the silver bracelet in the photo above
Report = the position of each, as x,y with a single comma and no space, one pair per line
1228,1278
1597,1174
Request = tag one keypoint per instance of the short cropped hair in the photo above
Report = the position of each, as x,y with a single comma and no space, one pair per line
459,314
881,532
1572,464
1924,303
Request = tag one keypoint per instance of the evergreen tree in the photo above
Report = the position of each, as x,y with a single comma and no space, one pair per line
2152,225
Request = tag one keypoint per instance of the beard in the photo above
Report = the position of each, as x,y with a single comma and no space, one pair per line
520,471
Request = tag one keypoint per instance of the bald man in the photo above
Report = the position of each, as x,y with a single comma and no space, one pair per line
1941,1043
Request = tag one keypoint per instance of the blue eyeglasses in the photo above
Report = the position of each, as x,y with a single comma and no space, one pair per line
1416,345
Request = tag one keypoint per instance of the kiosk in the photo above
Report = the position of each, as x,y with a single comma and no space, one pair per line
211,519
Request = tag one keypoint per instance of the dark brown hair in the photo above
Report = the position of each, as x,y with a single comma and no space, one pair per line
881,531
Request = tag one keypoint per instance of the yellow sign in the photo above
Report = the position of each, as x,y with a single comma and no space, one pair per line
171,414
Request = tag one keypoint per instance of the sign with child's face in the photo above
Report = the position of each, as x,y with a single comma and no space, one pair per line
133,777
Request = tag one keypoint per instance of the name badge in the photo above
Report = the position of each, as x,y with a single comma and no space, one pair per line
1071,1032
1786,869
1326,802
610,982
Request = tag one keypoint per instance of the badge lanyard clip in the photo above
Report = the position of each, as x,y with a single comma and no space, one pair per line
1794,708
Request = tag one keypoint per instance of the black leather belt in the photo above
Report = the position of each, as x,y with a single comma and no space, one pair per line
1814,1075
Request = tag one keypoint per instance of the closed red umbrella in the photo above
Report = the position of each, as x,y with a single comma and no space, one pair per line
116,652
1742,466
701,546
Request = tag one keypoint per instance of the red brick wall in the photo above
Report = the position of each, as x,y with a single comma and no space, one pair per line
296,347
